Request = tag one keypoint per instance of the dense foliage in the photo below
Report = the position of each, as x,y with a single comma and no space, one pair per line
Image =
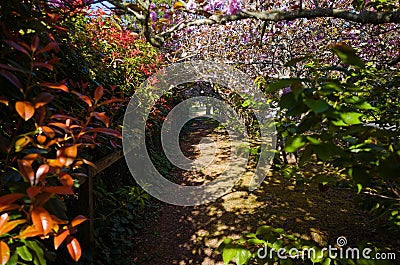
57,107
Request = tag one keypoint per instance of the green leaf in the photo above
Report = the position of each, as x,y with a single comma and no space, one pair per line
317,105
242,256
228,254
224,244
281,83
327,261
351,117
294,61
318,256
263,229
24,253
39,257
358,4
294,143
13,260
359,188
326,151
347,54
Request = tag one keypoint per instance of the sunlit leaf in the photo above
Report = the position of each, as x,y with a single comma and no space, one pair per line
24,253
66,179
294,143
74,248
41,172
351,117
102,117
228,254
26,170
4,253
21,143
347,54
30,231
42,220
98,93
78,220
317,105
179,5
84,98
38,250
24,109
58,86
60,237
66,155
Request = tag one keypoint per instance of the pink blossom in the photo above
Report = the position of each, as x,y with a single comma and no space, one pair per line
286,90
152,6
213,5
234,6
153,16
191,4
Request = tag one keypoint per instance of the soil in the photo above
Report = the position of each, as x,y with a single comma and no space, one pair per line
190,235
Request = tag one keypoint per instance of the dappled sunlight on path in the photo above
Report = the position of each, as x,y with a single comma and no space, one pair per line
190,235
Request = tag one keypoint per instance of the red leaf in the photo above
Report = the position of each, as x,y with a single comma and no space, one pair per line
66,179
60,86
48,47
44,65
98,93
42,220
17,47
33,191
12,78
41,172
26,170
74,248
59,190
48,131
30,158
84,98
102,117
42,99
41,139
78,220
60,125
67,155
10,198
24,109
35,43
60,237
4,253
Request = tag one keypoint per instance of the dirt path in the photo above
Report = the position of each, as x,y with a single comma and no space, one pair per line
190,235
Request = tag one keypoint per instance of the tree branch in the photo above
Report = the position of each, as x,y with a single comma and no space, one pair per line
364,17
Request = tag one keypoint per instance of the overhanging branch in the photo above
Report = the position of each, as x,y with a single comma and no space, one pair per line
364,17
